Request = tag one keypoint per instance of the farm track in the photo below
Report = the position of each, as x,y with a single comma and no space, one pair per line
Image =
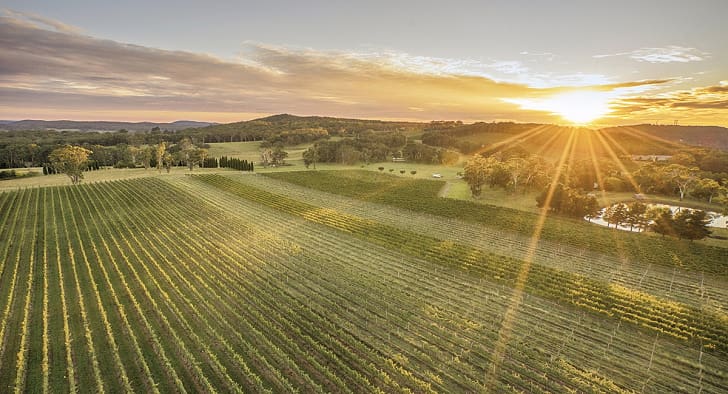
152,286
687,287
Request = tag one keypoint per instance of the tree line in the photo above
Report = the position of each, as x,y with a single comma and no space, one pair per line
684,223
371,147
236,164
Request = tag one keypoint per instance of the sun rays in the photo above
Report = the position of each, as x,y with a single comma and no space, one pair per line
567,159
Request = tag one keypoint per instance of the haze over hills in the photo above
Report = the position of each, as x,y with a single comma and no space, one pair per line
706,136
31,124
636,139
642,139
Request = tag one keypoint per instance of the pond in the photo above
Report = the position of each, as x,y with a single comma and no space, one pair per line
719,220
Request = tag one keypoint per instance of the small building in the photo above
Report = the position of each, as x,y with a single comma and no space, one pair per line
651,157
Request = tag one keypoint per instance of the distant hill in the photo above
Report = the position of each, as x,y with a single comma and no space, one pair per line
704,136
97,125
263,128
551,140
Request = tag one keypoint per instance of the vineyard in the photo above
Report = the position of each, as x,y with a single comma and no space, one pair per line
419,195
218,283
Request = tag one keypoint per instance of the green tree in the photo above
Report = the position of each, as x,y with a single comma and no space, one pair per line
592,208
635,216
707,188
311,156
663,222
692,224
161,152
134,152
616,214
279,156
682,177
146,156
476,174
70,160
168,160
516,167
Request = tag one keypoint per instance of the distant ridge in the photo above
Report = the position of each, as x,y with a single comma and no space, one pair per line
705,136
664,137
31,124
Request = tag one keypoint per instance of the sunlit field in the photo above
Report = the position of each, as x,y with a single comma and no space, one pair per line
318,292
385,197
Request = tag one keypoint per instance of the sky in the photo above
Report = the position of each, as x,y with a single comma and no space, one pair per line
567,61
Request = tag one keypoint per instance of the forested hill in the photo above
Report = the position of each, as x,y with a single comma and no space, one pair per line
549,140
97,125
263,128
705,136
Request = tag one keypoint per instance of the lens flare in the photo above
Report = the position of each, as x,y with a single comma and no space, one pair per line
577,107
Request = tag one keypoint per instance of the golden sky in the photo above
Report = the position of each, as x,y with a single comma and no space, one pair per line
51,69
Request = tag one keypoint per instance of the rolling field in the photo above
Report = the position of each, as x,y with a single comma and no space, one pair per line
242,283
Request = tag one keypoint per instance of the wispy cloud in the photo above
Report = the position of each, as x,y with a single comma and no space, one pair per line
669,54
696,105
35,20
45,64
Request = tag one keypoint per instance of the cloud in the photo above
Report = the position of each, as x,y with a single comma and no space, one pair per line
708,104
669,54
45,64
34,20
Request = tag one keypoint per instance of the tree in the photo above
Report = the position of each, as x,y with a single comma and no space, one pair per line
536,172
279,156
161,152
168,160
516,168
413,172
662,221
476,174
707,188
592,208
616,214
692,224
636,215
380,169
311,156
33,149
146,156
683,177
723,201
199,155
134,152
70,160
552,200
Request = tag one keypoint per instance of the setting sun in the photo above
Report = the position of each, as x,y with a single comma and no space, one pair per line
579,107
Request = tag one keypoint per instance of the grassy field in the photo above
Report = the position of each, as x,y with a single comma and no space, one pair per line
209,283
